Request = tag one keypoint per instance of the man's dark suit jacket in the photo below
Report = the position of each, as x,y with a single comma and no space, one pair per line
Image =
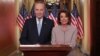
30,35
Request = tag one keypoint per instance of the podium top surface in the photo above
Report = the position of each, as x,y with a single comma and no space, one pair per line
44,48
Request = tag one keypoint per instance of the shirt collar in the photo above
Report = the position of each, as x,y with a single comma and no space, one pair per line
37,20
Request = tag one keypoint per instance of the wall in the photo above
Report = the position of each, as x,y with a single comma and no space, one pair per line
7,27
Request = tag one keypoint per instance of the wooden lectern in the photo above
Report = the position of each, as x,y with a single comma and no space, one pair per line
45,50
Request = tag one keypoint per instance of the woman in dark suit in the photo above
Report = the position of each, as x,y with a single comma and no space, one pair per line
64,33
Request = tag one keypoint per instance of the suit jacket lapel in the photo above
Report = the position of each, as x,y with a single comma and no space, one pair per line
43,27
35,27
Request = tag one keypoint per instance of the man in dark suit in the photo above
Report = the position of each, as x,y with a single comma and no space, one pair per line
37,30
